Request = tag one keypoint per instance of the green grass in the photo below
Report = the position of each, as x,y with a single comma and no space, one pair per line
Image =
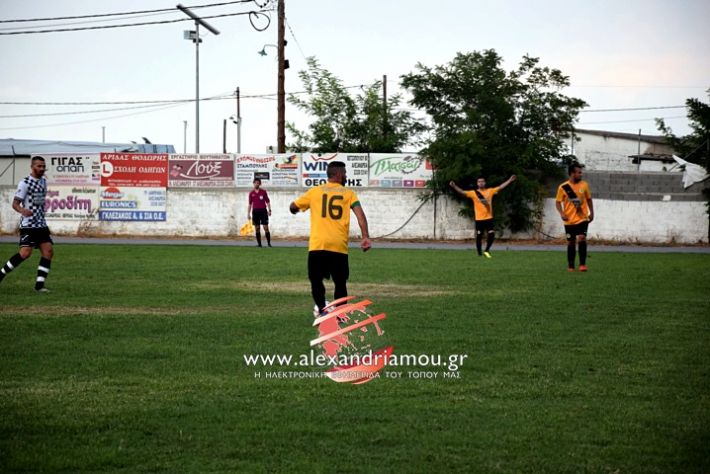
135,364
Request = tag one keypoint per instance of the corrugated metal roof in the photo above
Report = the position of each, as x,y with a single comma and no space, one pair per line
13,147
659,139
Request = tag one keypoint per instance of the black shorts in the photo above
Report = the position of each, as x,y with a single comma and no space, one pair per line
572,231
484,226
34,237
259,217
324,264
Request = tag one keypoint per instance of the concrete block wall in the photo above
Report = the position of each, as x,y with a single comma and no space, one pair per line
388,209
220,213
634,186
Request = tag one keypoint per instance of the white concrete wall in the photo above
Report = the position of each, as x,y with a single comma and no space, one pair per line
639,221
220,213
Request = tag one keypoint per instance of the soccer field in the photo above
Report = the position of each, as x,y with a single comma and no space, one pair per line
136,363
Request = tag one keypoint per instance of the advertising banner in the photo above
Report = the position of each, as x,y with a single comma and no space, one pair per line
133,187
71,202
399,170
132,204
273,170
134,170
201,171
314,167
72,185
70,169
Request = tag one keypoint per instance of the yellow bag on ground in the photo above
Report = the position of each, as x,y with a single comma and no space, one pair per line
247,229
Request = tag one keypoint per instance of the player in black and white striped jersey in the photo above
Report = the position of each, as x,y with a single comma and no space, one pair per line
34,233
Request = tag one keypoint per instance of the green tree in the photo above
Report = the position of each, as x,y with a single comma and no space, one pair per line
494,123
342,122
694,147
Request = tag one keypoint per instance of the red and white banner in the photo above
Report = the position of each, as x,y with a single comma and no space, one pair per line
134,169
133,187
201,171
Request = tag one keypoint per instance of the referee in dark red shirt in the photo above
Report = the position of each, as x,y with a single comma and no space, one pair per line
259,211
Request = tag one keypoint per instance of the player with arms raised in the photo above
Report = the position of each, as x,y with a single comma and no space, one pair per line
330,206
482,198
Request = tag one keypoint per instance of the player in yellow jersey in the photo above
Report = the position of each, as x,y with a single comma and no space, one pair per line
574,203
330,206
482,198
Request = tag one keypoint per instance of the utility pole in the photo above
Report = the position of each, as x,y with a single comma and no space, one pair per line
384,108
224,136
195,37
239,125
638,152
280,92
103,134
184,136
197,87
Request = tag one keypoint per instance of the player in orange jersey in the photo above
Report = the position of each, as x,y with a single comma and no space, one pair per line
482,198
574,203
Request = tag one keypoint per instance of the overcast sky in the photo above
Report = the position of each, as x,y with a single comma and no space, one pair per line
618,54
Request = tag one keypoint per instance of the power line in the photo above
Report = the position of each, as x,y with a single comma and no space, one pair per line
137,12
633,109
620,86
124,102
165,101
125,25
101,103
131,17
253,96
628,109
62,124
632,120
83,112
153,108
295,39
258,96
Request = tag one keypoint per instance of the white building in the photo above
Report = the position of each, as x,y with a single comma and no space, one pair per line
615,151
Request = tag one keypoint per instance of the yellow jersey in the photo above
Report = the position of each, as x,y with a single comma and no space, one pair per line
483,209
330,205
575,208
